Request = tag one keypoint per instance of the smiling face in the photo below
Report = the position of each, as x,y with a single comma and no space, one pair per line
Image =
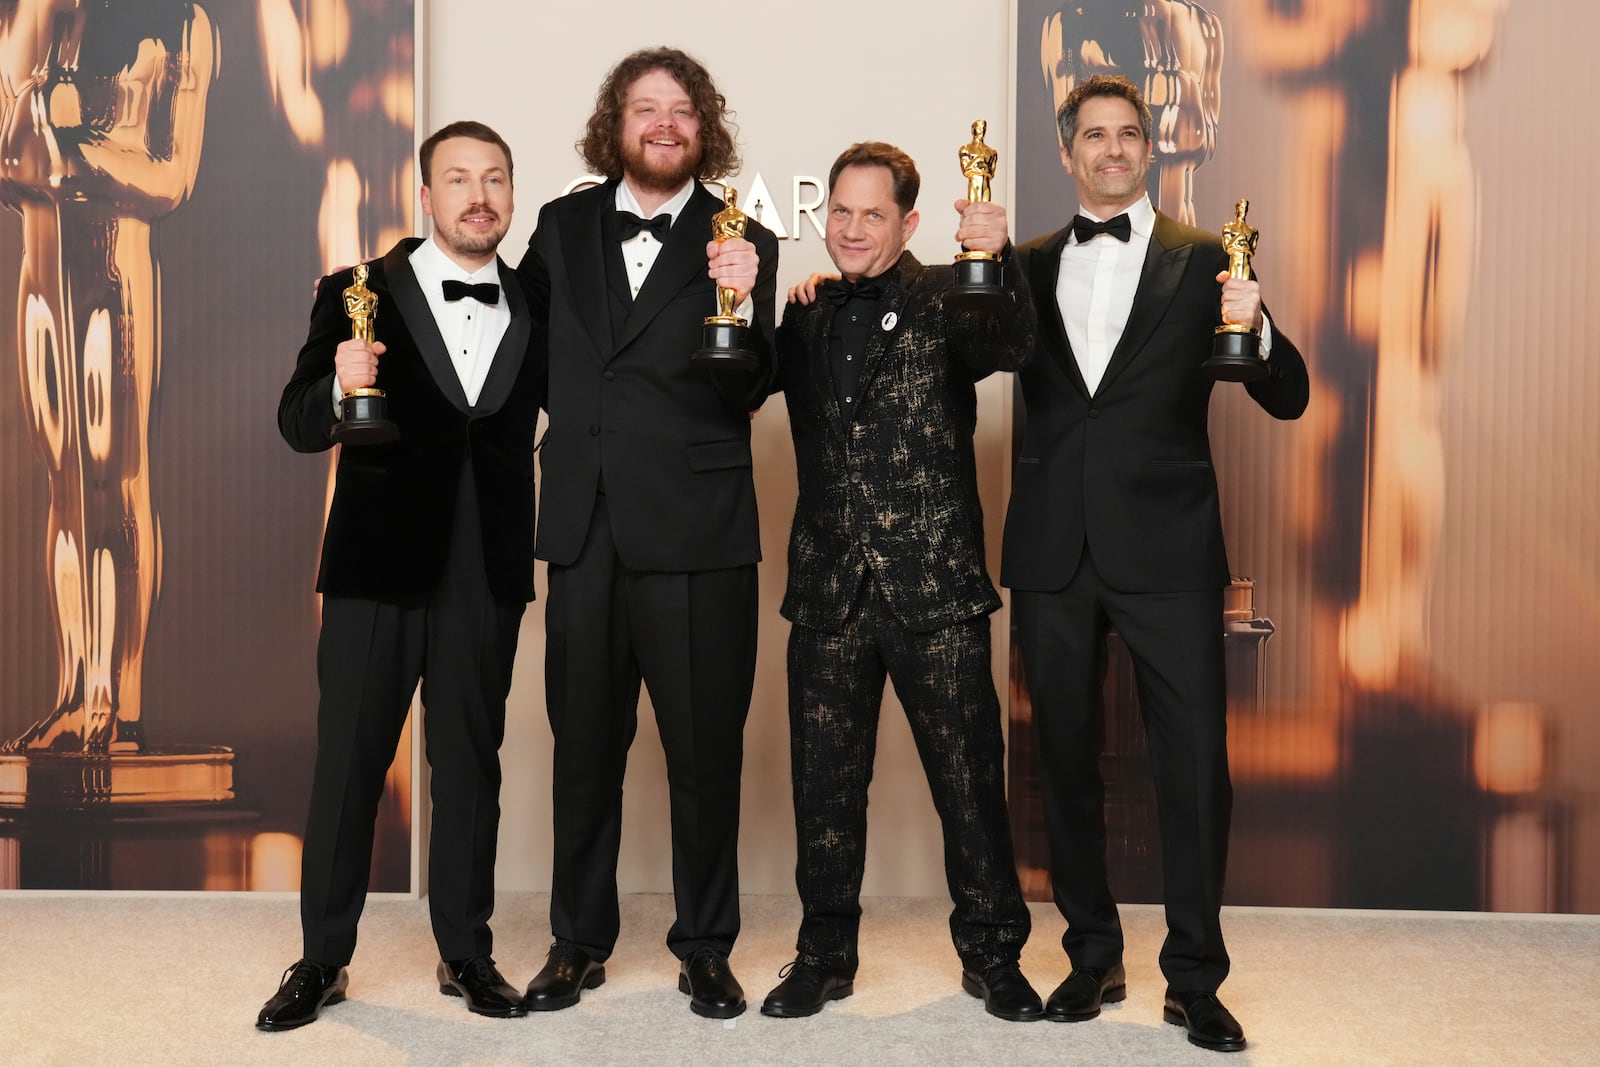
468,196
660,135
1109,156
866,230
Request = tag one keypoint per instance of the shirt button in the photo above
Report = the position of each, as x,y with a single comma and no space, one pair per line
610,374
1094,413
594,431
849,357
849,400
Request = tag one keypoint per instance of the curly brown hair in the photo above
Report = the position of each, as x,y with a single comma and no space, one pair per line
600,144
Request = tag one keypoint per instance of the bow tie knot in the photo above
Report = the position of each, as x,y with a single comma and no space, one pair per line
483,292
1084,228
839,291
629,225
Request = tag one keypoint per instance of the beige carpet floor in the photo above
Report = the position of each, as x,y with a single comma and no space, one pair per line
178,980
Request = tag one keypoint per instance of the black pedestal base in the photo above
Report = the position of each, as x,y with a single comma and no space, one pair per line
364,421
725,344
1236,357
977,287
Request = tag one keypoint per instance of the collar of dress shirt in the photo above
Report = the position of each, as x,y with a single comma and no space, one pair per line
432,266
1141,218
626,201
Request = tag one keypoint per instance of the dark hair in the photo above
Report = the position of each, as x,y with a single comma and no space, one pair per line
1101,85
600,144
466,128
907,182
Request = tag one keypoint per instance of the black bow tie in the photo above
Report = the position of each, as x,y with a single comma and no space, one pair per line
484,292
1083,229
839,291
629,225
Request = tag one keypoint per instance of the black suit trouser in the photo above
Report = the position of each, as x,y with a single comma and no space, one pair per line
1175,640
369,658
944,682
691,638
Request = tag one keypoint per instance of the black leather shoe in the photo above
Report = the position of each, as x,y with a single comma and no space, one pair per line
486,992
1085,989
1210,1025
566,973
305,989
1006,994
713,990
805,988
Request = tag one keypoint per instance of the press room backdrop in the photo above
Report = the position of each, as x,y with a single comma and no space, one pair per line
1412,722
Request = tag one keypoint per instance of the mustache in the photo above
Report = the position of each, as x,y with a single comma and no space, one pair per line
480,209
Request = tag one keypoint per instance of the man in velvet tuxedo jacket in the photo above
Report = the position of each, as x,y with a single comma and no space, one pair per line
887,576
427,565
648,515
1114,521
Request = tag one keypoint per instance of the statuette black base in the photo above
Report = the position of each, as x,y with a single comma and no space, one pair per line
977,287
1235,357
725,344
364,421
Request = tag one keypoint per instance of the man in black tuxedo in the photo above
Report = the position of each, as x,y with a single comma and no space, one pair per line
648,514
427,564
1114,521
887,576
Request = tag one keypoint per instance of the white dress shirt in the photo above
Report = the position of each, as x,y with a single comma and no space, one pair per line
472,330
639,252
1096,286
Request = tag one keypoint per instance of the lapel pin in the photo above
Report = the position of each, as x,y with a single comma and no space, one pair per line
889,320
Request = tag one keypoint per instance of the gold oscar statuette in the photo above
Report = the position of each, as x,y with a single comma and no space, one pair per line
977,286
364,413
725,339
1236,349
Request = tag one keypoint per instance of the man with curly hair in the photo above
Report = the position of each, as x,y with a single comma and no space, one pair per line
648,514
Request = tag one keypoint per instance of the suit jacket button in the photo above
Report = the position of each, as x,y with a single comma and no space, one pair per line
866,538
610,374
855,476
594,431
1094,413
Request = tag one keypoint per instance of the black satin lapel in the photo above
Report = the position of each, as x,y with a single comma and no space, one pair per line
513,346
583,251
681,262
418,317
1044,273
1164,263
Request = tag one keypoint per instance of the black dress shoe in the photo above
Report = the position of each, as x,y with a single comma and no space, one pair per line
713,990
486,992
567,972
303,991
1210,1025
1085,989
805,988
1006,994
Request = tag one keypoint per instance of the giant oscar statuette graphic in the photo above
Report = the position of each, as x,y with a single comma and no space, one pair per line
977,285
725,341
1236,349
102,115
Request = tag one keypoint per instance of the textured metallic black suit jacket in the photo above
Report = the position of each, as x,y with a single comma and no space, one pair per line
895,490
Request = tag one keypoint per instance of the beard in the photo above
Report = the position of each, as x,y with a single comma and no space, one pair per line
664,178
459,239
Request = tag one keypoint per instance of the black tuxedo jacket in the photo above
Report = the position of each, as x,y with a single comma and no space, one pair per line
666,441
394,504
896,488
1127,471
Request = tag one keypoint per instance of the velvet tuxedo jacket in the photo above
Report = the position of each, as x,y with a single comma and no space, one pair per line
894,489
394,504
668,442
1127,471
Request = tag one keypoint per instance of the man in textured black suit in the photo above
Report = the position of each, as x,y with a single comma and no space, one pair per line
427,564
1114,521
648,515
887,578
